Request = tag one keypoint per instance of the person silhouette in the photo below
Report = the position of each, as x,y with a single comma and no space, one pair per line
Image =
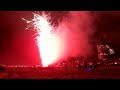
78,66
95,64
66,66
85,64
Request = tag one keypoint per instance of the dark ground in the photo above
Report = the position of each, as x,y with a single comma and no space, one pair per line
110,72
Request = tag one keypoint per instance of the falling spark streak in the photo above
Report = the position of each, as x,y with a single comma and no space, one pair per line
48,42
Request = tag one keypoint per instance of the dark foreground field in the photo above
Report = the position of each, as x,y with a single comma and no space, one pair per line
109,72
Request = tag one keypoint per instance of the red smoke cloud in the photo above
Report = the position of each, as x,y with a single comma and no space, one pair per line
76,33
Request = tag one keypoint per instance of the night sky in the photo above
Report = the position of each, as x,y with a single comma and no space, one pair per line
18,47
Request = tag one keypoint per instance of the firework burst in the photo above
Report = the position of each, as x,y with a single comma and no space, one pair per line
48,42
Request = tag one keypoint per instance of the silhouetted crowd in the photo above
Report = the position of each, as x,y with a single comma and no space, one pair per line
78,59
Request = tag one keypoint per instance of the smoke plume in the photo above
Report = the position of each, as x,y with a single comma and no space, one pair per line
77,33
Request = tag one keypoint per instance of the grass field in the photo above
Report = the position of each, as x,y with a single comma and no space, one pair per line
110,72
